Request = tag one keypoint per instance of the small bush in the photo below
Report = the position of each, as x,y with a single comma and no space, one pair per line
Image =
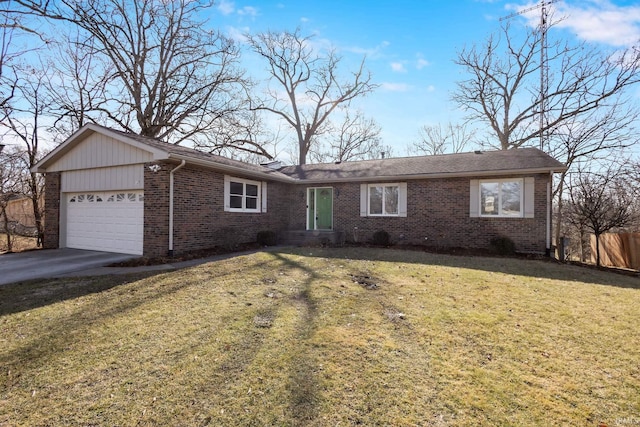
503,245
267,238
381,238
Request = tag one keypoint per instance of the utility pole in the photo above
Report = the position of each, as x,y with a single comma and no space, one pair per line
544,67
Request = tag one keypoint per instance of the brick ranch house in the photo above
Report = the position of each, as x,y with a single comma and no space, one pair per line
113,191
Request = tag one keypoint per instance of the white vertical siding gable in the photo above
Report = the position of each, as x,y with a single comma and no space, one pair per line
129,177
99,150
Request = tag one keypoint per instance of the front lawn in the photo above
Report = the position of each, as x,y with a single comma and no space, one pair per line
325,337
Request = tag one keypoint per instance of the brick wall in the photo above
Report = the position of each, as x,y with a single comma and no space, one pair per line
51,211
156,210
437,216
200,221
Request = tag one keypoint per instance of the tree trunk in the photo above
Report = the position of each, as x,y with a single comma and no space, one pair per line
598,250
5,220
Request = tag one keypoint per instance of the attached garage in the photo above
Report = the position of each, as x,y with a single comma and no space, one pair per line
106,221
101,190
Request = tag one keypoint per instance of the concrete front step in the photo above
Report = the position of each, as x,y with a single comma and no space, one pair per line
313,237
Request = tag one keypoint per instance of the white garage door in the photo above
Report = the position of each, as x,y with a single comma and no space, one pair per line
106,221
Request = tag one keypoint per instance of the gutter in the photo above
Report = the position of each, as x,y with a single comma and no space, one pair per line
173,171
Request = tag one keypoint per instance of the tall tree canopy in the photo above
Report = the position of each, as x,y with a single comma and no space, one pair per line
168,76
503,87
305,87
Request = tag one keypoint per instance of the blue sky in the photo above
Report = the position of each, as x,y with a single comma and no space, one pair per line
410,45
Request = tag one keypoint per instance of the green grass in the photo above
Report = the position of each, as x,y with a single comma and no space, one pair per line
291,338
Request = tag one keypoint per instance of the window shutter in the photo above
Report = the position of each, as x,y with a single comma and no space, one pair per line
474,198
529,199
264,196
227,191
363,200
402,199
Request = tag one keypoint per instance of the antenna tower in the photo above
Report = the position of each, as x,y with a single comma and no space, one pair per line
544,66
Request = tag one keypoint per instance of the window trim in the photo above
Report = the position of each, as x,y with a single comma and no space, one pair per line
500,181
383,185
261,186
365,206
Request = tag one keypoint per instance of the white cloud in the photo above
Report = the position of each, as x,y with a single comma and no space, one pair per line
248,11
398,67
238,34
598,21
371,52
421,63
395,87
304,20
431,88
226,7
604,22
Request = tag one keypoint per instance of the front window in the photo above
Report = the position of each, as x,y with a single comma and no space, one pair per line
383,199
501,198
243,195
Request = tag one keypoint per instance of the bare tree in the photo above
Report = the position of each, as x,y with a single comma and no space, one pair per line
10,186
592,139
171,78
356,138
77,85
23,123
307,84
600,202
241,135
586,112
503,89
452,138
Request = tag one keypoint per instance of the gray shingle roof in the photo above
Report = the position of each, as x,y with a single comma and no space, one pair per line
190,153
522,160
490,163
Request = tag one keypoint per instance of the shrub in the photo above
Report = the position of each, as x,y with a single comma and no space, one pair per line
267,238
381,238
503,245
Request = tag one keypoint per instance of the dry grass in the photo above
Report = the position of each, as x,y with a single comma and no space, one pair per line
325,337
20,243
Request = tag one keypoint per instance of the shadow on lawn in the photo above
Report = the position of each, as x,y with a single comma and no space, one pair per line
303,385
22,296
539,268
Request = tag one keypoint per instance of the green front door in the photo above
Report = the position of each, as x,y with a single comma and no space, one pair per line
320,208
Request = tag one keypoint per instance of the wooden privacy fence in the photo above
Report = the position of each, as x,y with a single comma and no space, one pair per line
618,250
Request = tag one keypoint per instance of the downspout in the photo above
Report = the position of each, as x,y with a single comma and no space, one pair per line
548,239
171,205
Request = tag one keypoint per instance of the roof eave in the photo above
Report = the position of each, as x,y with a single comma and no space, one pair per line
432,175
232,169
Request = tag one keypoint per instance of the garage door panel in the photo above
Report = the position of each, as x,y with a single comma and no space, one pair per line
106,221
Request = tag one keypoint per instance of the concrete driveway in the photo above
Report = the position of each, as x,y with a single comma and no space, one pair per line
48,263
